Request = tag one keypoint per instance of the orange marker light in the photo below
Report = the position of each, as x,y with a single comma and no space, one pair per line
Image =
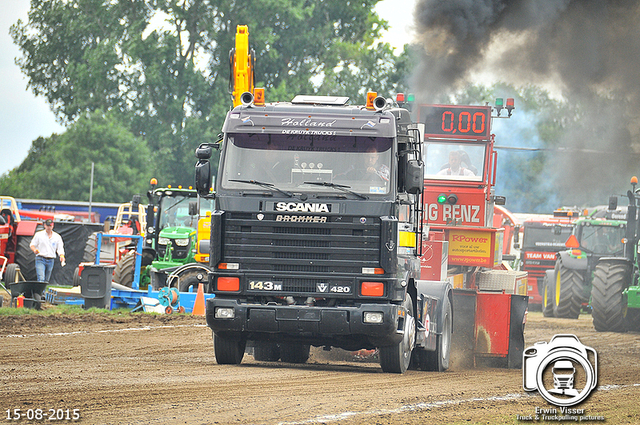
372,289
371,96
258,96
231,284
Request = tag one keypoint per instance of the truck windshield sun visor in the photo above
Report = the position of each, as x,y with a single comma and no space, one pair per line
291,163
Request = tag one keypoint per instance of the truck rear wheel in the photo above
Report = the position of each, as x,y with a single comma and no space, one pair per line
294,353
228,350
265,351
438,361
608,303
396,358
548,296
569,292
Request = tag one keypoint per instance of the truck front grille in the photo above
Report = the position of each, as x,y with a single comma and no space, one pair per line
341,245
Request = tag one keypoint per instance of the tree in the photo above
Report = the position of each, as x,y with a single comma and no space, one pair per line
59,167
169,83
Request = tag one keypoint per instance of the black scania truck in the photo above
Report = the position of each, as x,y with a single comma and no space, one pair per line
317,234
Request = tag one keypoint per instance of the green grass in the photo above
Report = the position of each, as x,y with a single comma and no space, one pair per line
61,309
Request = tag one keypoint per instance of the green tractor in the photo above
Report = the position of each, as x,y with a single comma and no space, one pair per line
615,296
171,237
567,287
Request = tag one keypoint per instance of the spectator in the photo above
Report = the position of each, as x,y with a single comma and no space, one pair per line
46,244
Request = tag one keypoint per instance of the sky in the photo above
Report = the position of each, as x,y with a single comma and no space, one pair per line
25,117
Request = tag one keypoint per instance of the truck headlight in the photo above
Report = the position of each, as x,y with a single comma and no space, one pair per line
163,241
224,313
373,317
182,242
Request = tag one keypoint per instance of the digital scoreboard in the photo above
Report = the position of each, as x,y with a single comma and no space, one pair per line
455,121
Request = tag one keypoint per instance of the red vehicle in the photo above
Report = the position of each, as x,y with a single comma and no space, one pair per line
464,244
15,237
543,236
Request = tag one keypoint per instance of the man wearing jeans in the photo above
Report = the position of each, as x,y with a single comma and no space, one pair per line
45,244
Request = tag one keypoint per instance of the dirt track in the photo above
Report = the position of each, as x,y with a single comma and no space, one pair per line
140,369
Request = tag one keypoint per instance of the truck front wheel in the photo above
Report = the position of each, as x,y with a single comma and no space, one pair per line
228,350
396,358
438,361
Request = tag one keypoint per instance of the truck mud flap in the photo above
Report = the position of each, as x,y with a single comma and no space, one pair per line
500,329
464,331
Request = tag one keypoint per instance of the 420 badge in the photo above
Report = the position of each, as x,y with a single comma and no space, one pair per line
564,371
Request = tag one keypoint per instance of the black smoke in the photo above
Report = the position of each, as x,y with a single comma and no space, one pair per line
587,50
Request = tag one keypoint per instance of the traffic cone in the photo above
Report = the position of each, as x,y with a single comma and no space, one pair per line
198,306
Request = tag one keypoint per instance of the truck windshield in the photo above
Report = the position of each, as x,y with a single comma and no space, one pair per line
545,237
175,211
362,164
454,161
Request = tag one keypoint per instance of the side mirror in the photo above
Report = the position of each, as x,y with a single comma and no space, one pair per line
203,177
613,203
500,200
193,208
414,176
203,152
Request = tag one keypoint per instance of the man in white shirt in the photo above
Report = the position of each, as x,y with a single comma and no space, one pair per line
46,244
455,166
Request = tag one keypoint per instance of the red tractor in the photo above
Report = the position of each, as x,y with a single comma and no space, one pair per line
15,237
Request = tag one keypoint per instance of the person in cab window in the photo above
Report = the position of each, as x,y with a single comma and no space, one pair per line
455,167
374,170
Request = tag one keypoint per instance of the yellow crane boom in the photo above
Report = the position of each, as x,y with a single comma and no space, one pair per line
241,59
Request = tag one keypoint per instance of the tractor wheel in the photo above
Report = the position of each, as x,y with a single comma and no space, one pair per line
608,303
438,361
77,279
228,350
294,353
189,280
11,274
548,295
396,358
125,269
90,249
26,259
568,292
265,351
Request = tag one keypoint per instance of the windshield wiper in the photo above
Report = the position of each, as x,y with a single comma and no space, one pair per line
263,184
339,187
